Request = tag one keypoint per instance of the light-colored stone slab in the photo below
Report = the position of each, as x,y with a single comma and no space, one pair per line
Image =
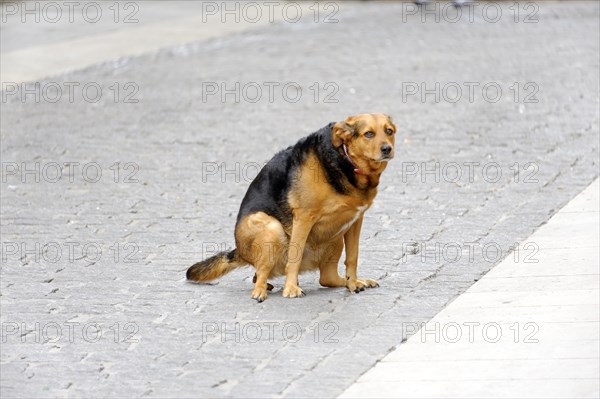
563,388
537,283
527,298
483,369
551,344
527,329
533,261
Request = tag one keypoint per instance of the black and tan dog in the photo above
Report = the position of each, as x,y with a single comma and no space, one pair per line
307,204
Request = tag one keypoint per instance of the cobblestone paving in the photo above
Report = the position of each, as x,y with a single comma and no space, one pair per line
185,163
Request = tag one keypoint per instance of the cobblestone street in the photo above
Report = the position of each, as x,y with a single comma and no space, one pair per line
106,201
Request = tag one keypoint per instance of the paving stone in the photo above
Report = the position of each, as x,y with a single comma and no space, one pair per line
171,216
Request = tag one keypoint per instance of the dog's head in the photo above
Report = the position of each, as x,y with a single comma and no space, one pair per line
368,138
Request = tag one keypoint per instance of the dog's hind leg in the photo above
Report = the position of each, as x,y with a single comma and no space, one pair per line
265,243
328,263
269,285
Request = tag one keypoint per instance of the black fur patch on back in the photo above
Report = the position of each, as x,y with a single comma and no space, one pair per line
268,192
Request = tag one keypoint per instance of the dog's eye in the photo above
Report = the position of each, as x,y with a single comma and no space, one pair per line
389,131
369,135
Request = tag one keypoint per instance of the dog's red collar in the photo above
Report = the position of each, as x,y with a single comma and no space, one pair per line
357,170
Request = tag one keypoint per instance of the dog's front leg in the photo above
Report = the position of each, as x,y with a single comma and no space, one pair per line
351,239
300,229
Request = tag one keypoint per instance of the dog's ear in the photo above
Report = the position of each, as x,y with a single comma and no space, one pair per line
390,121
342,132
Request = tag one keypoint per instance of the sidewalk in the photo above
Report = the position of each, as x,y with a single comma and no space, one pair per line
525,330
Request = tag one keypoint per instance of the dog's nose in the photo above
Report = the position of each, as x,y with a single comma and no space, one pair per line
386,149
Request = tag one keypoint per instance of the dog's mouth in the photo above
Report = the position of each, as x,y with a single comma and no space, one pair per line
384,158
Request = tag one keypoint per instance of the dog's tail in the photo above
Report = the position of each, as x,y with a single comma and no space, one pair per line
215,266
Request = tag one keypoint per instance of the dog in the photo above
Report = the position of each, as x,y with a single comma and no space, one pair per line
306,205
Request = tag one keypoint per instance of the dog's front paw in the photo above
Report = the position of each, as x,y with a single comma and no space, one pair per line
260,294
357,285
293,291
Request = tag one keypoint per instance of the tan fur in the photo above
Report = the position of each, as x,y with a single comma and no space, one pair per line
213,267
